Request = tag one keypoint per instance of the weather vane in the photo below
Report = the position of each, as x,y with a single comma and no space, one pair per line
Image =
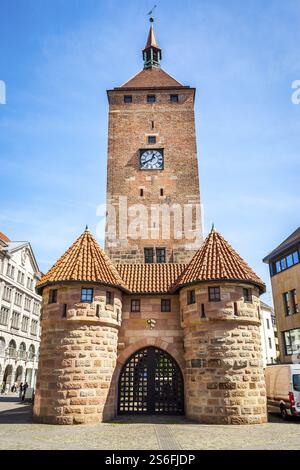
151,14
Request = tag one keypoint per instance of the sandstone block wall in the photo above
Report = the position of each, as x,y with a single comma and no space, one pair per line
224,377
77,357
136,332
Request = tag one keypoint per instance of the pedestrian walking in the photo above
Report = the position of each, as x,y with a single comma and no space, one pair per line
21,390
25,386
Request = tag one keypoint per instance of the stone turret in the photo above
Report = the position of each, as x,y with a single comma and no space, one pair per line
219,299
81,316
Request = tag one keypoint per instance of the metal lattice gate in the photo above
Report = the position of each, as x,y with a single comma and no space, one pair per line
151,382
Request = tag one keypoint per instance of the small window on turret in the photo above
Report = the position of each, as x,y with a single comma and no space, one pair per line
53,296
214,294
165,305
86,295
247,295
109,298
127,99
191,297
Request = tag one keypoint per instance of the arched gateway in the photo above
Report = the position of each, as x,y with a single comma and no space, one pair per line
151,382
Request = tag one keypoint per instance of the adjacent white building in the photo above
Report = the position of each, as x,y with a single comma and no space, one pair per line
19,314
268,335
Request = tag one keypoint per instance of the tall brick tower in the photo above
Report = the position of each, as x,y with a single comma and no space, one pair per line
153,196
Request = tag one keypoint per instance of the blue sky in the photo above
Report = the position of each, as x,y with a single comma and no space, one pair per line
57,59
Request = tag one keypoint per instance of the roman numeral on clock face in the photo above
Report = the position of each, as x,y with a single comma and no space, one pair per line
151,159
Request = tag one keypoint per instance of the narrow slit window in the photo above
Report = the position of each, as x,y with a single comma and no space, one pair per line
98,311
203,311
65,307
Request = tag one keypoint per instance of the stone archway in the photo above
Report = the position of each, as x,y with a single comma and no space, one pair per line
8,376
19,375
151,382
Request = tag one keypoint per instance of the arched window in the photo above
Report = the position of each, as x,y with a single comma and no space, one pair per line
2,346
12,349
22,351
31,352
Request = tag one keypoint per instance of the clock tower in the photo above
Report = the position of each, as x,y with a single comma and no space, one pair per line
153,196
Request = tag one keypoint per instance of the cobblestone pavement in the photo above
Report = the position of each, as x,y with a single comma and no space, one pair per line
150,433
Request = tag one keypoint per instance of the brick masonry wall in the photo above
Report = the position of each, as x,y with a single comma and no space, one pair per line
130,124
77,357
224,377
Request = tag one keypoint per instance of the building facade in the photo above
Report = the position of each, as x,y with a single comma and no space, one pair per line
269,336
284,264
155,324
19,314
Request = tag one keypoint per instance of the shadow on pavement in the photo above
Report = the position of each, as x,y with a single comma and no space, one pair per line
9,399
20,415
15,412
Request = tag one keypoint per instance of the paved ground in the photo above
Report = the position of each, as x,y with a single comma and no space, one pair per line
150,433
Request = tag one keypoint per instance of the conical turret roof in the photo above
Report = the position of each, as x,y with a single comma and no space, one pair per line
216,260
84,261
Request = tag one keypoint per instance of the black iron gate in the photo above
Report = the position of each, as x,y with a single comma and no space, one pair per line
151,382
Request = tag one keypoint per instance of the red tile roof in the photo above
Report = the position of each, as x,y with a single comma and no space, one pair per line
216,260
83,261
4,237
153,77
150,278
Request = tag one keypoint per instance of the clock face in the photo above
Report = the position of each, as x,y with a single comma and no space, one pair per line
151,159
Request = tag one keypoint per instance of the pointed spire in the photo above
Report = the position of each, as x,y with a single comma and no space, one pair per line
151,41
152,52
